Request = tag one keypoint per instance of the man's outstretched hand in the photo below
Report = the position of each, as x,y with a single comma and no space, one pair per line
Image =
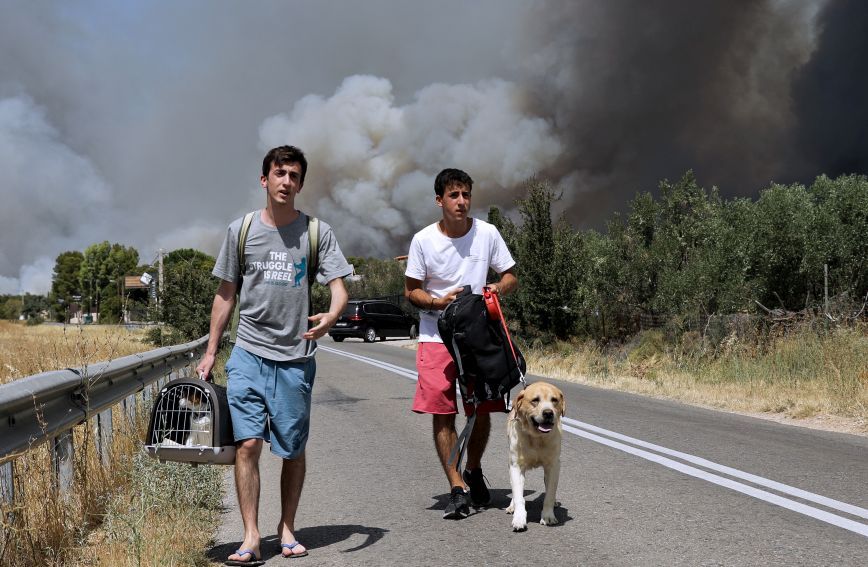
324,322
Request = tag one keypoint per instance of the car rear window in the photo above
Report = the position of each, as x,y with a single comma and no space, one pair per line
393,310
373,308
351,309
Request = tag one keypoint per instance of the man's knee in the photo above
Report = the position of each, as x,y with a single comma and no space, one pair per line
297,461
443,421
248,449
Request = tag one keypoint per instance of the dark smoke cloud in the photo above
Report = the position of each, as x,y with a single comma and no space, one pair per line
830,94
643,91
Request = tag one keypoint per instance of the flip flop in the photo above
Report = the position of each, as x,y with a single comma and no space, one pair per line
290,547
253,561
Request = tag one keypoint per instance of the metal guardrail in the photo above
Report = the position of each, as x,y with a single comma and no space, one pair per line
47,406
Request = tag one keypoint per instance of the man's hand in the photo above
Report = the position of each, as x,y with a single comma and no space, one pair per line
324,322
206,364
442,302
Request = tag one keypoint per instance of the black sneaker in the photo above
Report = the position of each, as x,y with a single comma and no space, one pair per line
457,507
478,491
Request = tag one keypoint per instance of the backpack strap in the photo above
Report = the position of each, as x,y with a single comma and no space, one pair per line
312,266
242,242
312,249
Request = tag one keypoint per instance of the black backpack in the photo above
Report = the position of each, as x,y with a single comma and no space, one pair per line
489,363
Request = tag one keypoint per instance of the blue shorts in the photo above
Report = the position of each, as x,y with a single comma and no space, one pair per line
270,400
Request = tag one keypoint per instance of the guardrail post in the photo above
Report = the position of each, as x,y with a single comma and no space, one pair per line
130,408
148,394
104,436
189,370
7,483
61,460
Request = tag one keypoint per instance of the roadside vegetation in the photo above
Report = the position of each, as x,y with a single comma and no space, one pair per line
31,349
129,512
754,306
817,379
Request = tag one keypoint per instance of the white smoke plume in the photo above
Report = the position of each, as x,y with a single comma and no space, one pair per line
52,198
372,162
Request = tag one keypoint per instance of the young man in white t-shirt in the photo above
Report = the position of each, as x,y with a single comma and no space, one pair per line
456,251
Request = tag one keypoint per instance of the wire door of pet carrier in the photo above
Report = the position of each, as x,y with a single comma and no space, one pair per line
190,423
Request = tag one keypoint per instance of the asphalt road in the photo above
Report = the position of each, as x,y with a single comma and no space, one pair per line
643,482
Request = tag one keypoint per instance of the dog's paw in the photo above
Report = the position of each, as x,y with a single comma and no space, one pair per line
548,518
519,522
511,508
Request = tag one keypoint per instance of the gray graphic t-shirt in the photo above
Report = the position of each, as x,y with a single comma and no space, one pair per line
274,292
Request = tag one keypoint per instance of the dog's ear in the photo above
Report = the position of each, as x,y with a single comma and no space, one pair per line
518,401
563,403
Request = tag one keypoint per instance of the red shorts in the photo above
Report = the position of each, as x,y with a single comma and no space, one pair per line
435,389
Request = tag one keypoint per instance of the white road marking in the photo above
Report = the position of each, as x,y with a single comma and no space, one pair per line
752,478
816,513
400,370
606,437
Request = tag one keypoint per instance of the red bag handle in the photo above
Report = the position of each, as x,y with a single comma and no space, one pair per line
492,305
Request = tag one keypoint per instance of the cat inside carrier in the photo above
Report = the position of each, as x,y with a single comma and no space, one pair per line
190,423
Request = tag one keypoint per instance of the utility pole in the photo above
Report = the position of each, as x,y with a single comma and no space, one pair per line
826,287
160,277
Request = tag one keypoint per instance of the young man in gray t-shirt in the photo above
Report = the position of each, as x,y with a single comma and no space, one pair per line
271,369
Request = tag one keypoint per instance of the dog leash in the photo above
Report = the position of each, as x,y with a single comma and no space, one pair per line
492,305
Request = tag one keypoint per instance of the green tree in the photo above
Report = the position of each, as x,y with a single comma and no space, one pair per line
728,260
100,276
11,306
639,266
838,238
685,232
188,293
375,278
505,226
65,283
191,256
35,306
611,304
547,258
784,215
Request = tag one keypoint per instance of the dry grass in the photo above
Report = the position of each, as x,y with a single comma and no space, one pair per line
26,350
819,380
127,513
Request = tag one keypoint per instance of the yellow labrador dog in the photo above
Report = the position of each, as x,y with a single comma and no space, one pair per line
534,431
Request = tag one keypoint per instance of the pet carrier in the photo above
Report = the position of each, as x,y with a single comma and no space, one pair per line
190,424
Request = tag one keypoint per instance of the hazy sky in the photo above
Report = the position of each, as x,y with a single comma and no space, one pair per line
145,123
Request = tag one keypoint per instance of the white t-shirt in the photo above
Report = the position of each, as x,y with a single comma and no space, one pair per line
442,264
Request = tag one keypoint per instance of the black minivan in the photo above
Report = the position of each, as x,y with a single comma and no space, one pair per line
371,318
